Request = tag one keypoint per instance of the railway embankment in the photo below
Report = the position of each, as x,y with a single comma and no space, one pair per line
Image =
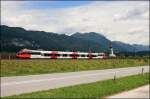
41,66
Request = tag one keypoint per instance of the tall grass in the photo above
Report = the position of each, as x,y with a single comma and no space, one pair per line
29,67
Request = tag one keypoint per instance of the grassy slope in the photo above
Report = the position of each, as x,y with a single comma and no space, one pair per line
91,90
29,67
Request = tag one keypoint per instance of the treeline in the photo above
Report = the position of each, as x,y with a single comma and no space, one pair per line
134,54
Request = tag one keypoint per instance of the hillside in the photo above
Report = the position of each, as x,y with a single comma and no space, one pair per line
104,42
15,38
94,37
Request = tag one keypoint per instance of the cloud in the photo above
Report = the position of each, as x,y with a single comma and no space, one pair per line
126,21
136,13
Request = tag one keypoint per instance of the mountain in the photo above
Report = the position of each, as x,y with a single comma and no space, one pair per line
94,37
15,38
141,47
104,43
120,46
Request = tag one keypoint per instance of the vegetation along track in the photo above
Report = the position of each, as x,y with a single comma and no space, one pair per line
39,66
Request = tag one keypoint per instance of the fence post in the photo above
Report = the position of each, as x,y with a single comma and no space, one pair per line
115,77
142,71
9,57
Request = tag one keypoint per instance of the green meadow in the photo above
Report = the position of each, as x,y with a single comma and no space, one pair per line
39,66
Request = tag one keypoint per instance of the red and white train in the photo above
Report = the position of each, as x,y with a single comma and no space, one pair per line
27,54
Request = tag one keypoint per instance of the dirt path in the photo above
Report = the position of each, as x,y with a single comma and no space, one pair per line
141,92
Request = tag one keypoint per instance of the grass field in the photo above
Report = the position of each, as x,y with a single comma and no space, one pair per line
29,67
91,90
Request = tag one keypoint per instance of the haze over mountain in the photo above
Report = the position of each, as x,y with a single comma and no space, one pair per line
15,38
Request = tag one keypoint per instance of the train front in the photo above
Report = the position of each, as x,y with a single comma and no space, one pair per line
23,54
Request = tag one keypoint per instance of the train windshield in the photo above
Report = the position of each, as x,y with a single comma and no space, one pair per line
22,52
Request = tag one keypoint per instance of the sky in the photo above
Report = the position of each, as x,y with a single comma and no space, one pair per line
126,21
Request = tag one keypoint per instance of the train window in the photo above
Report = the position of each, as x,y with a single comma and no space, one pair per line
19,52
74,55
64,55
51,54
46,54
54,54
83,55
94,56
57,54
24,53
91,55
35,53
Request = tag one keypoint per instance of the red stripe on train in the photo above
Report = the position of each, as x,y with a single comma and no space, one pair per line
74,55
54,55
